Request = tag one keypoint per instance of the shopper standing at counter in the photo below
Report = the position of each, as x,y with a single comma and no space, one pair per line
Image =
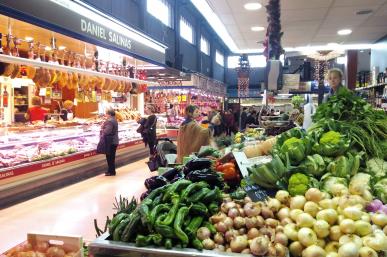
150,129
191,135
108,141
36,112
67,111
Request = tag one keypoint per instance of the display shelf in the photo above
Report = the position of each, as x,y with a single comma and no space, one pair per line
370,87
52,66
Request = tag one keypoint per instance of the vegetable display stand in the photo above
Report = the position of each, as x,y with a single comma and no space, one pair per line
103,247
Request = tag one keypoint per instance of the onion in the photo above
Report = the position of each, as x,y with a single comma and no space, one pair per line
321,227
242,231
272,252
348,250
313,251
229,235
269,232
296,249
379,219
220,227
366,217
378,242
225,207
305,220
307,236
251,209
347,226
220,216
239,222
297,202
383,209
286,221
208,244
246,251
283,196
332,246
272,222
291,232
340,218
280,250
294,213
281,238
351,200
251,222
203,233
247,200
327,204
274,204
351,239
241,212
238,244
260,221
41,246
233,213
283,213
335,233
266,212
55,251
218,238
353,212
314,195
279,229
374,206
385,230
228,222
329,215
362,228
252,233
325,195
367,252
332,254
321,242
220,248
312,208
259,245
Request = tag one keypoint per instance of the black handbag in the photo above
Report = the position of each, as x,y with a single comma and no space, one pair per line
153,163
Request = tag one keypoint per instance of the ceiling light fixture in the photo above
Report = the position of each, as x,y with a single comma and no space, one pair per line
333,44
253,6
344,32
61,47
29,39
257,28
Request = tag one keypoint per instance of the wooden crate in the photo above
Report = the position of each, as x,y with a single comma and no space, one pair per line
68,243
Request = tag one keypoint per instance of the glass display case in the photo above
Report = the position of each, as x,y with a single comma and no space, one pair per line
18,148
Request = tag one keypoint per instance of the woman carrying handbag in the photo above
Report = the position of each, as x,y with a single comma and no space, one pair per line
108,141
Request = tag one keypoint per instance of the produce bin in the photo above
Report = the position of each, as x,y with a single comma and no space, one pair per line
102,247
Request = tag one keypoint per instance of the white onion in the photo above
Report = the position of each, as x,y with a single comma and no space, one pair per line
366,217
321,242
294,214
321,227
280,250
362,228
348,250
379,219
314,251
283,196
329,215
281,238
335,233
296,249
283,213
239,222
332,254
297,202
351,239
353,212
366,251
378,241
291,231
307,236
327,204
313,194
332,246
305,220
274,204
312,208
347,226
259,245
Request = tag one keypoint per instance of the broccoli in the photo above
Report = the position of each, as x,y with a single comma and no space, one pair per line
298,184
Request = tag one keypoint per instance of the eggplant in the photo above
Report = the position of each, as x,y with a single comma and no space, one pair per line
170,174
144,195
198,164
155,182
177,177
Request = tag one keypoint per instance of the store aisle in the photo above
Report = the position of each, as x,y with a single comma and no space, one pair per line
71,210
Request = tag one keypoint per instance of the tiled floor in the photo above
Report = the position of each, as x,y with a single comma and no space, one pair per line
71,210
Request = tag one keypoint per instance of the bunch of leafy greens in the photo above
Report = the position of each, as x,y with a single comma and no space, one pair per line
350,115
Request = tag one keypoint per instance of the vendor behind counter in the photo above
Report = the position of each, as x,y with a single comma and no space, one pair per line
36,112
67,112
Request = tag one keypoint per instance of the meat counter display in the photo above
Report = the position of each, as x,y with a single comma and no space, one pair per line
22,148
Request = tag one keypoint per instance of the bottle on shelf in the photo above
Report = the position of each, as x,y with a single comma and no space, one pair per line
5,97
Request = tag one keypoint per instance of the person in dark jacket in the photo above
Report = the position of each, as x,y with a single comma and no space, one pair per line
150,130
243,118
252,118
109,132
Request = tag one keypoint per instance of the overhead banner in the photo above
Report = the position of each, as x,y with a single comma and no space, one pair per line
80,21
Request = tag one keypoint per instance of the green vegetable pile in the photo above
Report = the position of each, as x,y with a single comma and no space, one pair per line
169,216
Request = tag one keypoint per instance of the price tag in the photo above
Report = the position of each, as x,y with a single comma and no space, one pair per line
257,193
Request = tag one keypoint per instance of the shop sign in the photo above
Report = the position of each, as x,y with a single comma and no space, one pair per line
78,20
170,83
